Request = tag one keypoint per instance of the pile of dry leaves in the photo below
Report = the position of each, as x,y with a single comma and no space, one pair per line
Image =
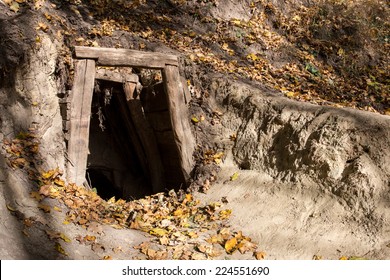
185,228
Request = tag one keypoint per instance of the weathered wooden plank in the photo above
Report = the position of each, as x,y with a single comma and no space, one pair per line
147,137
81,100
179,118
126,57
109,75
132,131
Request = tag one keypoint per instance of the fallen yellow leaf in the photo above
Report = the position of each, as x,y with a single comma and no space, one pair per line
178,212
230,245
90,238
194,119
236,22
65,238
290,94
296,18
356,258
49,174
252,57
234,176
59,249
158,232
225,214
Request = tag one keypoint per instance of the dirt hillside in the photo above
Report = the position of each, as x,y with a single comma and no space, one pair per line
289,109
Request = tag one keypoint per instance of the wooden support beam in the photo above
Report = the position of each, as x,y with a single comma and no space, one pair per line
147,137
133,135
81,100
109,75
125,57
179,118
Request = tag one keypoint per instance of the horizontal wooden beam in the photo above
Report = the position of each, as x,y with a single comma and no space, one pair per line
109,75
126,57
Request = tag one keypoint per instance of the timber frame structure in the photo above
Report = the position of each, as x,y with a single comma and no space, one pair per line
86,61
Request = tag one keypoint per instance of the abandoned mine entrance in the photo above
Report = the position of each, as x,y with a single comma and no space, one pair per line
128,136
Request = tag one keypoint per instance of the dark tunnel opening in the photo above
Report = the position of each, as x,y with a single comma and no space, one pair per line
113,166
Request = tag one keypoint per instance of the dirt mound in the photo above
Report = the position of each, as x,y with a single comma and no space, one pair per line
316,179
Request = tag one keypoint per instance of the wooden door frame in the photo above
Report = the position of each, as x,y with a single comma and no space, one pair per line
86,60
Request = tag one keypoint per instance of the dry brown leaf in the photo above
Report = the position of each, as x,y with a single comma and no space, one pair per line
198,256
206,186
28,222
245,246
98,248
14,6
164,240
161,255
53,234
90,238
45,190
36,196
82,221
45,208
225,233
259,255
192,234
143,247
117,250
215,239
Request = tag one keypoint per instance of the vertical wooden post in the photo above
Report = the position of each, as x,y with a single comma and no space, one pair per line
81,101
147,137
179,117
